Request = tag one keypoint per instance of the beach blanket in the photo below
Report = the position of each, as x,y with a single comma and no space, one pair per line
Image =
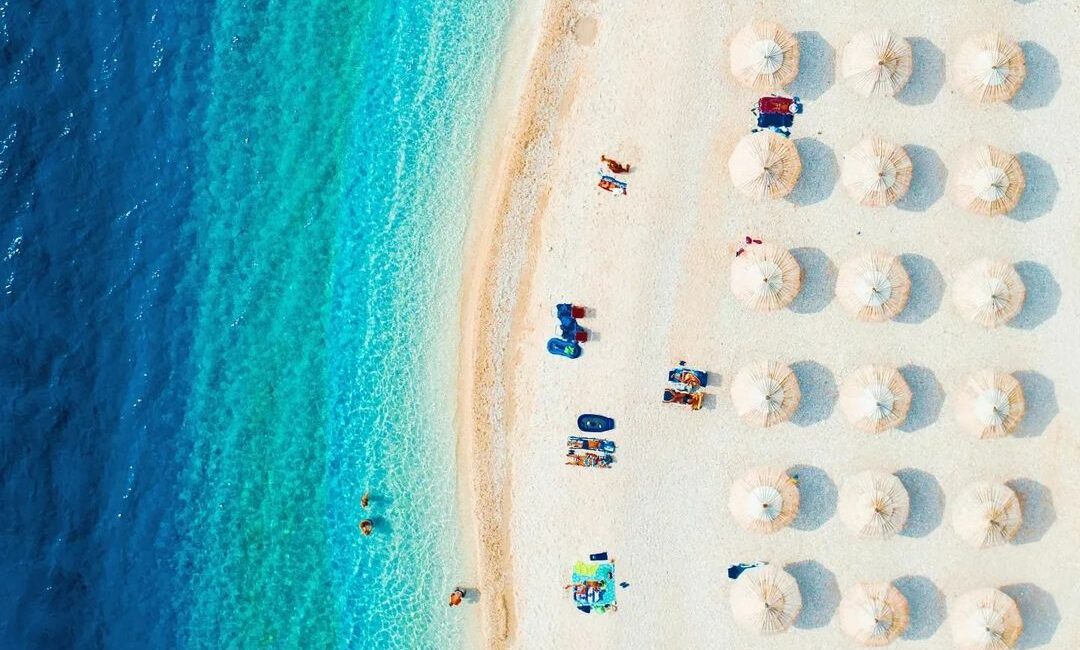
593,586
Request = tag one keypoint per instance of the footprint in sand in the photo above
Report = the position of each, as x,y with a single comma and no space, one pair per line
585,31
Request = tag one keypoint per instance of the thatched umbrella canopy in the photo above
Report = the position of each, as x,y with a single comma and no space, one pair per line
876,172
989,292
765,165
764,500
766,600
875,398
989,181
765,393
987,514
876,62
991,404
874,505
764,56
989,67
766,277
874,614
874,287
985,619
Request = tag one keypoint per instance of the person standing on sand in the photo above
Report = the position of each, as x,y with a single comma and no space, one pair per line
456,596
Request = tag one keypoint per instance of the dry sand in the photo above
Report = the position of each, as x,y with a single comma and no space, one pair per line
647,82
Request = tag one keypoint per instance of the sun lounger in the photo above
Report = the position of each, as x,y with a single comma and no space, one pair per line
775,120
776,104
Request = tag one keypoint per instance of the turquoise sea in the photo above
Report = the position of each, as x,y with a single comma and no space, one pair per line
233,236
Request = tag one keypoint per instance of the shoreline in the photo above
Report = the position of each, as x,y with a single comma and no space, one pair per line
491,296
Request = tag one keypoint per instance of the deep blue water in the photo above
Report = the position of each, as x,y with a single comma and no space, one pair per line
95,178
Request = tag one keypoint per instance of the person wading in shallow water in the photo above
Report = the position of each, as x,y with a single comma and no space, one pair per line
366,525
456,595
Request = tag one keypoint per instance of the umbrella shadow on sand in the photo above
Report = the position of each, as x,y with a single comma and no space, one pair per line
817,497
816,66
928,179
926,605
927,502
1039,611
928,75
1042,405
927,289
1037,505
1043,295
819,393
1040,191
820,593
819,172
819,280
1043,78
927,397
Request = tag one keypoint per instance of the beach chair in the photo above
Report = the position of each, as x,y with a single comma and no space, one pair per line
778,104
565,310
775,120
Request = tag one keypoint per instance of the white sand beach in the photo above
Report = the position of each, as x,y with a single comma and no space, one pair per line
648,82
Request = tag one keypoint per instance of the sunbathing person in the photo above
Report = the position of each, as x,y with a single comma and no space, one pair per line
614,166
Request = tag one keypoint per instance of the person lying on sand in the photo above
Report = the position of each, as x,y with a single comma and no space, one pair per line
456,596
614,165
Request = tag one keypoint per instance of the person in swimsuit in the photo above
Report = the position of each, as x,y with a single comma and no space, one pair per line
456,595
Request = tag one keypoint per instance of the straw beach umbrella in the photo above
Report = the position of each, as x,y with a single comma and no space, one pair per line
987,514
764,500
876,172
764,56
989,67
766,277
985,619
989,292
874,287
875,398
874,505
766,600
765,165
991,404
876,62
989,181
874,614
765,393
